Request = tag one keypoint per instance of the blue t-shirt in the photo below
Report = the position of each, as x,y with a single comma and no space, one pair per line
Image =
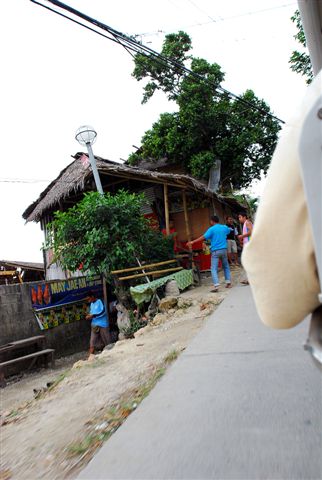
97,308
217,234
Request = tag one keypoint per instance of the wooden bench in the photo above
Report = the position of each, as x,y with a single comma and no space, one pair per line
38,341
48,352
146,270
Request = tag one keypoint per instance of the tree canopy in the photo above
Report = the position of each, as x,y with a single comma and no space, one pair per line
208,123
300,61
106,232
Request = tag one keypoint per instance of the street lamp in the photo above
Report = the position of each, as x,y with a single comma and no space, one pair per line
86,135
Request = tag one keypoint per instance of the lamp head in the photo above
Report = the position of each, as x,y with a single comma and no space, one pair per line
86,135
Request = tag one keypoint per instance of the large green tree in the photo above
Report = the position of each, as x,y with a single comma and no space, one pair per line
208,123
300,61
106,232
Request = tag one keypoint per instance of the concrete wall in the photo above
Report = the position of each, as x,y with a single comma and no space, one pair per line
17,321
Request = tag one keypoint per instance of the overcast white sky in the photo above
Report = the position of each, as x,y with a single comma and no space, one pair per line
56,76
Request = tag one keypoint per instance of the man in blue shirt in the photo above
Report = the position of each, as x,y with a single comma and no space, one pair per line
217,234
99,327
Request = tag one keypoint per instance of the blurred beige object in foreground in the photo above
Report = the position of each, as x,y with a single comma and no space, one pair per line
279,259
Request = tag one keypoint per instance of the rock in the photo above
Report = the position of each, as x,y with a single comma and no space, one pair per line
171,289
6,474
178,313
105,354
153,308
123,318
107,350
48,460
81,363
158,319
101,426
141,331
184,302
167,303
121,337
121,343
78,364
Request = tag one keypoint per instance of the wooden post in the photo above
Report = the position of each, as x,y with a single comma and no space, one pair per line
106,305
166,208
186,218
213,207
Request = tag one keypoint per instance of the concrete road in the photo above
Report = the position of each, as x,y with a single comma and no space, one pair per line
242,402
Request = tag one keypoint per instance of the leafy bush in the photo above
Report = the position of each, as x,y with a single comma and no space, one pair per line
106,232
134,326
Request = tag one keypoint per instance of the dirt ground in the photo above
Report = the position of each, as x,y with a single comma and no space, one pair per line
36,433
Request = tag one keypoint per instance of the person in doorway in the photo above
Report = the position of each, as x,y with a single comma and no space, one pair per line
99,327
245,237
217,234
232,251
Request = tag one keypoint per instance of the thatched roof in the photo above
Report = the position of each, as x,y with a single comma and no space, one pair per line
76,176
153,165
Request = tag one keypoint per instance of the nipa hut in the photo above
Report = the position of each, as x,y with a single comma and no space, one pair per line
188,202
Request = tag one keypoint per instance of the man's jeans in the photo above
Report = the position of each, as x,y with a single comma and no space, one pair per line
215,256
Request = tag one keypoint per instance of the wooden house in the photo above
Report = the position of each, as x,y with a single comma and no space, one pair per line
170,196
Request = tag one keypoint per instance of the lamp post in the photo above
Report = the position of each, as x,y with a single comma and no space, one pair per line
86,135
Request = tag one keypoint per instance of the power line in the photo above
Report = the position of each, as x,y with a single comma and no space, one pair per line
232,17
202,11
246,14
219,19
132,46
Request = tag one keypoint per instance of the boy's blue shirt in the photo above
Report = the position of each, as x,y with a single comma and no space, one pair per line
217,234
98,308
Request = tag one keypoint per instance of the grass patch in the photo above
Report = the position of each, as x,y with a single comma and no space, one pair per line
101,428
59,379
91,441
20,412
13,413
173,355
42,392
98,362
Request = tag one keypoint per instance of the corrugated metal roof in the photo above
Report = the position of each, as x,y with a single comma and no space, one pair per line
23,265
